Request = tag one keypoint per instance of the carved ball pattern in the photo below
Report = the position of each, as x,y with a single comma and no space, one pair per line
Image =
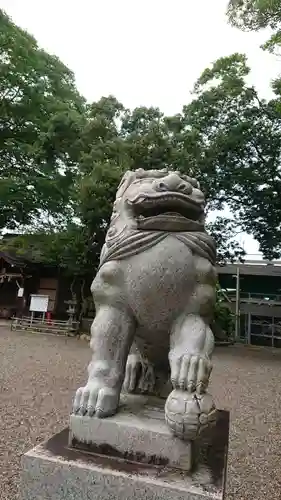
189,414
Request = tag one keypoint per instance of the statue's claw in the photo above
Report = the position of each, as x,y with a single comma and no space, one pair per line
95,399
190,372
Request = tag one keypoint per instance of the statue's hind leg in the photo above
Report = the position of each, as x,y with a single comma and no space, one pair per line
140,376
112,335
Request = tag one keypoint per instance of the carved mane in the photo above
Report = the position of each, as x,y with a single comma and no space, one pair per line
129,241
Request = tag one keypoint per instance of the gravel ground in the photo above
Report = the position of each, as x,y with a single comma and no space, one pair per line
38,376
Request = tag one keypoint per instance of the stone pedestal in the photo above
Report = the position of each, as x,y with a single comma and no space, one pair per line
137,433
130,455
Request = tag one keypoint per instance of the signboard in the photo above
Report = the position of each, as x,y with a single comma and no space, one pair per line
20,292
39,303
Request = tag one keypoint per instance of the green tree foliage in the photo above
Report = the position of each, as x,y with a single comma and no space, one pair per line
144,138
224,319
40,109
256,15
226,136
63,158
240,141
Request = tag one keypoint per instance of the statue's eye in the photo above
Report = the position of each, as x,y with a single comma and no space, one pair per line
185,187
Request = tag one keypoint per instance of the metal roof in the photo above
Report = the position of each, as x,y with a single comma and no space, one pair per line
252,267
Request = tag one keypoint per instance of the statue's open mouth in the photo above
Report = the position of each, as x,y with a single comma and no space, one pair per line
166,211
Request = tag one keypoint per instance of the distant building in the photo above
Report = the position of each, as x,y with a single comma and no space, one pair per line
254,294
17,272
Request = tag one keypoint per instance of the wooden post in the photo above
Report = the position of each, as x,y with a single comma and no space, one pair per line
237,305
21,301
249,328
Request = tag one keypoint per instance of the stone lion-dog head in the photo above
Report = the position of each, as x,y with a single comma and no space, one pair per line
158,200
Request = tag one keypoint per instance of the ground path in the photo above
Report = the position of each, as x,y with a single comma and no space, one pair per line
39,374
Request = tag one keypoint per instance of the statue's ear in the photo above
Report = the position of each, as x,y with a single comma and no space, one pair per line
144,174
125,182
191,180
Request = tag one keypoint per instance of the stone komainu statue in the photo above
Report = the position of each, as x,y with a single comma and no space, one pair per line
154,294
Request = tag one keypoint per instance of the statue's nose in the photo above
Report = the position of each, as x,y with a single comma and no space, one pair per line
172,182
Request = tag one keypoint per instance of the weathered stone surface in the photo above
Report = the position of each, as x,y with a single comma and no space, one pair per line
137,432
55,471
154,295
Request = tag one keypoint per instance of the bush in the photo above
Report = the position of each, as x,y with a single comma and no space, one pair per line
224,319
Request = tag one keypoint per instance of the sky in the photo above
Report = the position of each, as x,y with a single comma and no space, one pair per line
147,52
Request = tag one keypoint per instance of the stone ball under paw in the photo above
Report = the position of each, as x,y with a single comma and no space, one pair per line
189,414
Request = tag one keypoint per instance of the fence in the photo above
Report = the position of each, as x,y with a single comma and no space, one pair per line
40,325
260,322
260,330
255,298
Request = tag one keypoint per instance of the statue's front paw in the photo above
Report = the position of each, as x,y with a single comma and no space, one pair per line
96,399
190,372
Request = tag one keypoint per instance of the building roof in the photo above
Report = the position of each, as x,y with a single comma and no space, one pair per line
253,268
13,259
